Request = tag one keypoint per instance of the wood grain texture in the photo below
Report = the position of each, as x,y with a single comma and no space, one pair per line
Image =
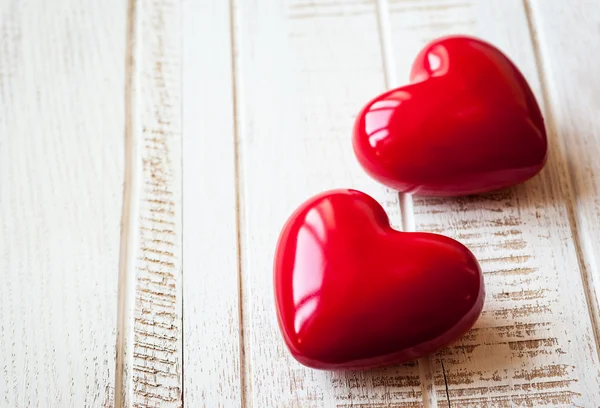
534,343
212,327
572,84
61,173
150,335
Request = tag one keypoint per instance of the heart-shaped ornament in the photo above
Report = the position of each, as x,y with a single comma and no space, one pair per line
351,292
467,123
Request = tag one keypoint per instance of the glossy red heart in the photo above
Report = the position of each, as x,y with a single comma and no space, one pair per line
351,292
467,123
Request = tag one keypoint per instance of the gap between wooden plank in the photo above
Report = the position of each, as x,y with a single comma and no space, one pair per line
426,371
130,215
583,246
238,194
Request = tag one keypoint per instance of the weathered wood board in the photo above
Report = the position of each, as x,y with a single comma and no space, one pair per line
61,172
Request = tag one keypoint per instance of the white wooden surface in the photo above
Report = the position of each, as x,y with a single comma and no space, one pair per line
94,100
572,92
149,341
212,325
61,169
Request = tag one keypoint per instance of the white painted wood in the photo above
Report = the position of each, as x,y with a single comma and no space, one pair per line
570,70
301,71
212,326
61,174
149,359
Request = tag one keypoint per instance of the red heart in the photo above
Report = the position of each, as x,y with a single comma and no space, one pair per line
468,123
352,292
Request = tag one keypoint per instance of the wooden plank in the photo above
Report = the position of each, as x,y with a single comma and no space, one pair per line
61,169
210,239
149,358
565,35
304,70
533,344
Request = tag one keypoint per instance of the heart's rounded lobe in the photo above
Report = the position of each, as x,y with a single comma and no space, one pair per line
351,292
467,123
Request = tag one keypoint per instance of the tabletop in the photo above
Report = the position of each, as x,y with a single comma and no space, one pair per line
151,150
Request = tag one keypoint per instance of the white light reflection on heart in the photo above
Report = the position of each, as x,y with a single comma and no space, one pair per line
379,116
308,280
438,61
